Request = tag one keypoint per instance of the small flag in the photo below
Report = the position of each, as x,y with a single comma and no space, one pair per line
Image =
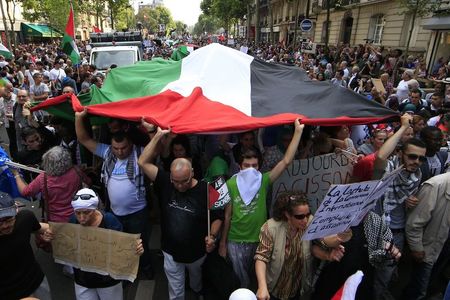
5,52
68,43
348,290
218,193
96,29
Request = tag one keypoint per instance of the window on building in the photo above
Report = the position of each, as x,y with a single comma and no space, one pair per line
376,28
324,31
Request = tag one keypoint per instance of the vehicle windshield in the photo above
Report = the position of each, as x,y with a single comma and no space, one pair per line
104,59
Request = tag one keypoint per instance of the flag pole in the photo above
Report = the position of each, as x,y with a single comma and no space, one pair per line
209,211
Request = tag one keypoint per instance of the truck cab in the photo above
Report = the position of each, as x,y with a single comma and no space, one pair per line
120,48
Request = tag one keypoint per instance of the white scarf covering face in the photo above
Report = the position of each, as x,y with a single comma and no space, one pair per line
248,183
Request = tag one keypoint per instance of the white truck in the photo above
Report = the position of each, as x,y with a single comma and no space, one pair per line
119,48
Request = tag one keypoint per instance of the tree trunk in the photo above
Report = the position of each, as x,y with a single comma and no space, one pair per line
270,39
248,22
327,33
5,24
296,23
111,10
12,21
257,22
411,29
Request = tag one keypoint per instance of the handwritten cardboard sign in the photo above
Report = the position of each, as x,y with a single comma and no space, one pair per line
314,176
346,205
93,249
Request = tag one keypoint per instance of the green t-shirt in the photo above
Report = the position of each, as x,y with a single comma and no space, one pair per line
246,220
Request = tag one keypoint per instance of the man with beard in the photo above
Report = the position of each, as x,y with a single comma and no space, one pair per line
399,195
247,211
437,161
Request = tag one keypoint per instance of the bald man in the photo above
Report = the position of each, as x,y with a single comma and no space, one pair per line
183,202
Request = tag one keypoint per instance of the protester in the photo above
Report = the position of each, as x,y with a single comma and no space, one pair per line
21,274
427,230
284,265
124,181
182,198
91,285
247,210
57,185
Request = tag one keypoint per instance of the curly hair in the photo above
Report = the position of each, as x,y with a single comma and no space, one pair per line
56,161
286,201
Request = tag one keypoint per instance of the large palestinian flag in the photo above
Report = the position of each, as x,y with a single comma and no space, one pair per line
219,89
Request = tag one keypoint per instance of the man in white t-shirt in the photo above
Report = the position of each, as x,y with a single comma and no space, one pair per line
402,87
57,74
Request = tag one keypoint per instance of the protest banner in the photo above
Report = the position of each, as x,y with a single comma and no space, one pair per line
314,176
93,249
346,205
218,193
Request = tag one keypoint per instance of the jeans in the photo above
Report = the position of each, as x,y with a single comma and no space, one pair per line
241,257
43,291
175,273
139,222
114,292
418,284
383,275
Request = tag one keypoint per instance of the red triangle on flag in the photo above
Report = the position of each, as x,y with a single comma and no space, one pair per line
213,195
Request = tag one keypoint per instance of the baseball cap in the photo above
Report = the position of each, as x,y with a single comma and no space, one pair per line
7,206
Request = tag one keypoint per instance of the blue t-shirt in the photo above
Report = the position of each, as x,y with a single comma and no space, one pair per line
122,192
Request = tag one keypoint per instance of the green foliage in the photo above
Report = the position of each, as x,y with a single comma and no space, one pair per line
420,8
125,18
224,10
151,17
181,27
206,23
52,12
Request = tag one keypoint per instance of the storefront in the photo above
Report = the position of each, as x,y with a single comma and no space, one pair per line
38,32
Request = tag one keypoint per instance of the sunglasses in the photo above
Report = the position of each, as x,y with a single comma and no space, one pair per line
416,157
302,216
83,197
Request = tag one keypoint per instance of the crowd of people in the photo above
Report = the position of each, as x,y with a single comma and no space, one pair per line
136,169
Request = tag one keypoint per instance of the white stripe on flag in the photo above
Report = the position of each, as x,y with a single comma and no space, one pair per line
222,73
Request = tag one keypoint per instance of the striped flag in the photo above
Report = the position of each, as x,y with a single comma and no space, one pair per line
219,89
5,51
68,43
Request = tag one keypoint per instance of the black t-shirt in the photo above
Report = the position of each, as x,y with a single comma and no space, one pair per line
356,258
20,273
184,221
92,280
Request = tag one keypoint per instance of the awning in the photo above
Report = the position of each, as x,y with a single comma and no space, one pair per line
438,23
39,30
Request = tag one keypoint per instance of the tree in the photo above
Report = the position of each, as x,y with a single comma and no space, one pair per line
151,17
206,23
52,12
225,10
180,27
5,24
417,9
125,18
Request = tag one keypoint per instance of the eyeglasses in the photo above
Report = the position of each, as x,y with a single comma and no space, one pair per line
181,182
83,197
302,216
421,158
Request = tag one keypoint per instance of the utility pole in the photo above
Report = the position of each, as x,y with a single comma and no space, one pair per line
327,33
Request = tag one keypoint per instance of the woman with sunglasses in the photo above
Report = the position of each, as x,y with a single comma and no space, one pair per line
283,261
58,184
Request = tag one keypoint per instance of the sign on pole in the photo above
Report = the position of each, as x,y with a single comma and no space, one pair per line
306,25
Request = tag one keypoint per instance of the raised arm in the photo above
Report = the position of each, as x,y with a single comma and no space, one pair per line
149,154
389,147
290,153
82,135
